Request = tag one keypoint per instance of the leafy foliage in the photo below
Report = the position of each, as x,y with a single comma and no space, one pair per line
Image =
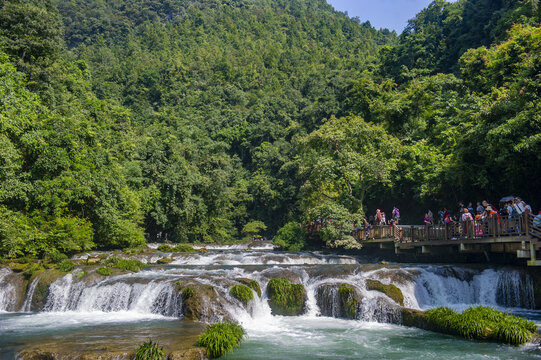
66,266
149,351
219,339
286,298
482,323
291,236
124,264
203,119
242,293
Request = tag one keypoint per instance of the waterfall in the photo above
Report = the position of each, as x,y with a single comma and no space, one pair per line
503,288
8,291
113,295
328,301
29,295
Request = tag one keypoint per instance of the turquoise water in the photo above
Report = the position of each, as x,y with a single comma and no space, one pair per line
306,338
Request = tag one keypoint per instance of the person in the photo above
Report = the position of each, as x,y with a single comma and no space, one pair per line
467,220
466,215
430,216
378,217
461,208
441,216
518,205
395,214
383,219
470,208
480,209
426,220
537,221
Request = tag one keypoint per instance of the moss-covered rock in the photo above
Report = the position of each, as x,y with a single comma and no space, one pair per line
390,290
348,301
476,323
242,293
286,298
194,299
164,261
44,278
254,285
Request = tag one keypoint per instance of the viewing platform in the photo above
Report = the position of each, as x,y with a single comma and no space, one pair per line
504,235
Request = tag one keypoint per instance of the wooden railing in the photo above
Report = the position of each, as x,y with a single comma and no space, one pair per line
492,227
534,227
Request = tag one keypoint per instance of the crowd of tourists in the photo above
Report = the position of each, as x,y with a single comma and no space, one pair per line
483,210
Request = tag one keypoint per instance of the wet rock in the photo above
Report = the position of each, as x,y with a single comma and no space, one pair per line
286,298
338,300
45,279
390,290
414,318
242,293
190,354
252,284
201,302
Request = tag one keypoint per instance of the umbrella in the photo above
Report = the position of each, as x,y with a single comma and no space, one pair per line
506,198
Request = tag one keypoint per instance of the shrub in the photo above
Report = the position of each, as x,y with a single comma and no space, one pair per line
104,271
286,298
55,257
290,237
482,323
165,248
66,266
149,351
184,248
221,338
512,330
242,293
124,265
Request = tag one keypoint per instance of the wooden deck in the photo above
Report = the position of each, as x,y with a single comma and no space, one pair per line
515,234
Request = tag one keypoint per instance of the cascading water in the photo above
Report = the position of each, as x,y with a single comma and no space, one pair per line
113,295
154,293
464,287
8,291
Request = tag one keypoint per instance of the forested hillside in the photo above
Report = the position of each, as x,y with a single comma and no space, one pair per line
198,120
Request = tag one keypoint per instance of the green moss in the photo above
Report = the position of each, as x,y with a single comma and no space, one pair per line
193,300
242,293
149,351
165,248
164,261
124,265
286,298
254,285
481,323
104,271
80,274
45,278
390,290
348,302
219,339
66,266
184,248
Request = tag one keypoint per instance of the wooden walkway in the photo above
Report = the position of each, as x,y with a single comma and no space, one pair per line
515,234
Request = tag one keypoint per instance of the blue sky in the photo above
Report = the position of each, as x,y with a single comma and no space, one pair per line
391,14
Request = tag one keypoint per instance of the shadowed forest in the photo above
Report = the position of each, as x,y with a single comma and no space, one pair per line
212,120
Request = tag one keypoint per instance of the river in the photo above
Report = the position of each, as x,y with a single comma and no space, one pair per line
95,314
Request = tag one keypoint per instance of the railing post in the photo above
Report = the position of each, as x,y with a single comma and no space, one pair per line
526,222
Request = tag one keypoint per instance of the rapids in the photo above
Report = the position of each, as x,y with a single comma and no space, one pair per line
151,297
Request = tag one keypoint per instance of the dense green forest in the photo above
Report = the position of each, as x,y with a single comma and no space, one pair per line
202,120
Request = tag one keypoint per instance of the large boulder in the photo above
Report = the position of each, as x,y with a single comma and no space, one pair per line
286,298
